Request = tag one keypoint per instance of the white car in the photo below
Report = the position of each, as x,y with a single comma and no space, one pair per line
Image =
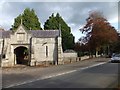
115,58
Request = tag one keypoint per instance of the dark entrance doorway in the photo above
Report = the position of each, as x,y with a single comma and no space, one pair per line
21,55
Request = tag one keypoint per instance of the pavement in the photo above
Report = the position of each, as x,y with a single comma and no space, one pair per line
16,76
24,68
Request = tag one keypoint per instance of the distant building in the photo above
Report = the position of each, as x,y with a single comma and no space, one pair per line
30,47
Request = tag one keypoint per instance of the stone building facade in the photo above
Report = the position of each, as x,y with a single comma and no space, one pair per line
30,47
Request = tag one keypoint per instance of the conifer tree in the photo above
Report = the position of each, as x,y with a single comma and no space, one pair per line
57,22
29,19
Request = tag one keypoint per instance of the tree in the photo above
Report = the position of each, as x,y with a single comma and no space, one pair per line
115,47
57,22
98,32
29,19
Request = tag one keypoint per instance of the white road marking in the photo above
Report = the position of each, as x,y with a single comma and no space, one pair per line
42,78
59,74
93,65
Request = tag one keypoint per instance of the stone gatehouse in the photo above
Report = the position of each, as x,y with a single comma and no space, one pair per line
30,47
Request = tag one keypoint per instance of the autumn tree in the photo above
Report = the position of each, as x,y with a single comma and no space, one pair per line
77,47
99,32
29,19
81,49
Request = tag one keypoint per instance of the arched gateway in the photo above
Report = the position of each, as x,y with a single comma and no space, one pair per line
21,55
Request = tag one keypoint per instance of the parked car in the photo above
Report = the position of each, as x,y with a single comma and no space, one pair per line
115,58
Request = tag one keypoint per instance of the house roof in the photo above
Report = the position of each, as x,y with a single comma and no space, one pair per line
34,33
5,34
44,33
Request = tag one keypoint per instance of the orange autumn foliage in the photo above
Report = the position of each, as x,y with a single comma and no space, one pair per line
98,30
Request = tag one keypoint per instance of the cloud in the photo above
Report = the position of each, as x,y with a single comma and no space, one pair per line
74,13
62,1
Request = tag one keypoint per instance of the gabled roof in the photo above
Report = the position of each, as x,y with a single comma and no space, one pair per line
34,33
20,29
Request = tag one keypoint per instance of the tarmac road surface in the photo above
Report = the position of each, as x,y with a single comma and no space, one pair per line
87,74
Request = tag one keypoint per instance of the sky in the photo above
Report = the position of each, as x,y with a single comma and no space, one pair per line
74,12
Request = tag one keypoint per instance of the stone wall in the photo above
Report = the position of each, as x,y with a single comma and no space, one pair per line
39,47
84,57
6,63
74,59
69,55
71,59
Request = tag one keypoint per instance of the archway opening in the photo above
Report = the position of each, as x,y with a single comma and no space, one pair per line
21,55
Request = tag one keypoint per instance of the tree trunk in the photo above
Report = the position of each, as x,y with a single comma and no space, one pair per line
96,54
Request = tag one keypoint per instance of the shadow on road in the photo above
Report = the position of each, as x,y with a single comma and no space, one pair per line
101,69
14,79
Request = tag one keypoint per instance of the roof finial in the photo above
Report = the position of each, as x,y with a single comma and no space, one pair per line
59,26
30,28
21,20
60,29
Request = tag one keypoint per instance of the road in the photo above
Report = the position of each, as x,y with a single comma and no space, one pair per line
88,74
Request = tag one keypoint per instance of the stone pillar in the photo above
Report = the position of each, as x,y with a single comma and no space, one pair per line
60,51
12,56
15,62
33,61
12,60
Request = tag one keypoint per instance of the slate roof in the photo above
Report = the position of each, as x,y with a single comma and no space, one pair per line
5,34
45,33
34,33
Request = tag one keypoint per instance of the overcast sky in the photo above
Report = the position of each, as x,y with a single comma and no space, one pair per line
74,13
